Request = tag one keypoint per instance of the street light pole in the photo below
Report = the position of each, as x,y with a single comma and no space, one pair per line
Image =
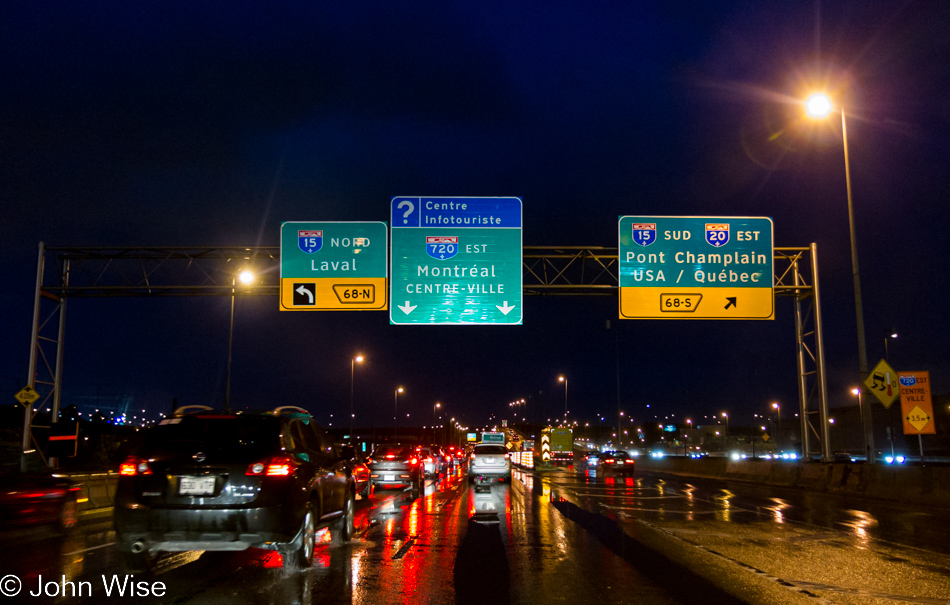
857,391
227,383
778,412
886,338
564,380
353,362
396,411
820,106
246,277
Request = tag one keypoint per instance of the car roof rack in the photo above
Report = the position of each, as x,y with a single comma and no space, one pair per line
289,409
191,409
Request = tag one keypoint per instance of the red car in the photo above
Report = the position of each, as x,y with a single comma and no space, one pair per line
37,498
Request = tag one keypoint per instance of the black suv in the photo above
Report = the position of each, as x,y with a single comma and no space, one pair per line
206,480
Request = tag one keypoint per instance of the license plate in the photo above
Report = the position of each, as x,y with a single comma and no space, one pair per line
196,486
389,477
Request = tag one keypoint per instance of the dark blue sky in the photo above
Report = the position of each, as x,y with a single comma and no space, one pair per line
208,124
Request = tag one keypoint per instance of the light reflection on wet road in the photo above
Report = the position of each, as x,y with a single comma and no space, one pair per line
562,536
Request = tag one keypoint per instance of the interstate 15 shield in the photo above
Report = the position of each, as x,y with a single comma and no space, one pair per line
310,241
644,234
441,247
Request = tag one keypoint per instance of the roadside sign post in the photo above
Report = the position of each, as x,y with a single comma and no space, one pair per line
688,267
917,406
456,261
333,266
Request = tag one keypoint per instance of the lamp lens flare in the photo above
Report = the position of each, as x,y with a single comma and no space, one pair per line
818,106
246,277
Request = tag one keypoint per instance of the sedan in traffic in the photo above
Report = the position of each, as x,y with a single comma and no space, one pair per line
617,462
395,466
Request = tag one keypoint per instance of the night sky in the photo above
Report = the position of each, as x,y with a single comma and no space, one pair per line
210,124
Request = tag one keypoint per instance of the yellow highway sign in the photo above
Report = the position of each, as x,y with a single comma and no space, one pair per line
882,383
27,395
333,294
916,405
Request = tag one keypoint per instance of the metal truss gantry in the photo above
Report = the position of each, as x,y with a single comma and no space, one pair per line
98,271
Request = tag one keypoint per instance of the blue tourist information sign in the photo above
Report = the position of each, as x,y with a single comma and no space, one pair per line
455,260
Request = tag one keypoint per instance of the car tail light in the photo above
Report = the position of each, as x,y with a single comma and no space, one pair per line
628,461
134,466
508,455
429,459
413,461
277,466
390,456
609,460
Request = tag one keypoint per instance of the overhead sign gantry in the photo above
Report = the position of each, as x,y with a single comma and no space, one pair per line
456,260
688,267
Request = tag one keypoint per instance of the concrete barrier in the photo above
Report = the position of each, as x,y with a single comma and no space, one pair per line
98,489
926,485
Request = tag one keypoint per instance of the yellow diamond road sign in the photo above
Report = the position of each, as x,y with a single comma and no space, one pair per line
27,395
882,382
918,418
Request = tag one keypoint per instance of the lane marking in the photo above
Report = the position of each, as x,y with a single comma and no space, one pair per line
668,510
629,496
76,552
404,549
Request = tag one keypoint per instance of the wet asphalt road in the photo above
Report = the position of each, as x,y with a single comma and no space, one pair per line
558,537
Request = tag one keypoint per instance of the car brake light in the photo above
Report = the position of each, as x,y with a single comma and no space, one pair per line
429,459
278,466
413,461
628,461
390,456
134,466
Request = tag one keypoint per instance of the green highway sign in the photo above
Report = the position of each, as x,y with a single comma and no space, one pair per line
691,267
455,260
333,266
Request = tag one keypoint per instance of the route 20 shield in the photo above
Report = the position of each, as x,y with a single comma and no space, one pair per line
441,247
644,234
310,241
717,234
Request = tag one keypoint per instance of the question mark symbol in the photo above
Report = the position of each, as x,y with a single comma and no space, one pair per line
404,204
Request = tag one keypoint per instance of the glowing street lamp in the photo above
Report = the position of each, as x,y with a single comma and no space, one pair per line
857,391
886,338
395,410
778,424
820,106
246,277
353,362
563,379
